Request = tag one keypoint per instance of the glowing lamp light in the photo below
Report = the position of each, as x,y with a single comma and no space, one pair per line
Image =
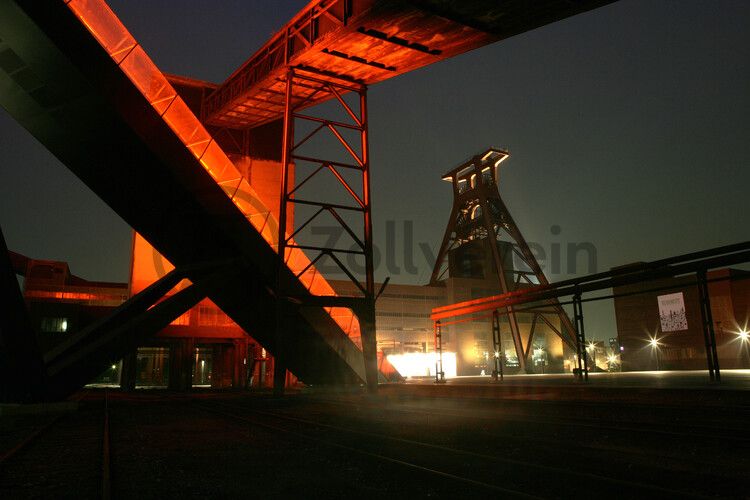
592,346
612,358
654,342
744,335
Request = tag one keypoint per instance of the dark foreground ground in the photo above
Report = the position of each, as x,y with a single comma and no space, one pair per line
558,440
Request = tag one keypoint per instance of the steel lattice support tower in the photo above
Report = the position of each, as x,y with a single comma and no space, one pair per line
479,213
311,85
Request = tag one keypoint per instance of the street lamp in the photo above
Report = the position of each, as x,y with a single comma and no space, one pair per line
654,343
592,350
744,338
611,361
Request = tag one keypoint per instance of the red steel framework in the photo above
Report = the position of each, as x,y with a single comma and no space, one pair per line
304,87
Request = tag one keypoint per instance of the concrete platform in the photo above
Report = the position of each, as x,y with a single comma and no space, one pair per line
689,379
655,387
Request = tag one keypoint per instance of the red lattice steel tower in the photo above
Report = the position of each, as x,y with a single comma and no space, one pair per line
352,214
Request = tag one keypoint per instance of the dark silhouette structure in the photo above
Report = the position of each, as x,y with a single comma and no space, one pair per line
76,79
475,245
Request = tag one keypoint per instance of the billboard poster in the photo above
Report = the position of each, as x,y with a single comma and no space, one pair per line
672,312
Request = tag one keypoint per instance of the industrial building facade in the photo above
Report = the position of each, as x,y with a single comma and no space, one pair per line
660,327
205,348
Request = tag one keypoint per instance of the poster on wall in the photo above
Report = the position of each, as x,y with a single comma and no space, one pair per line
672,312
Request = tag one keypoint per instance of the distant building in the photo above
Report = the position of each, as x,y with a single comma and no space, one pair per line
404,326
203,347
656,332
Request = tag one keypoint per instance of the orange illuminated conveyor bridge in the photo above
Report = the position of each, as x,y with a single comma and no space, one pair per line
89,92
78,81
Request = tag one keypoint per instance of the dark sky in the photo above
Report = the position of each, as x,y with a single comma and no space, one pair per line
628,127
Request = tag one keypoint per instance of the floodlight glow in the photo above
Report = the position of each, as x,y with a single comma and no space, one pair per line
744,335
422,364
612,358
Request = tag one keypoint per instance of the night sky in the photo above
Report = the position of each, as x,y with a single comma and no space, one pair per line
628,127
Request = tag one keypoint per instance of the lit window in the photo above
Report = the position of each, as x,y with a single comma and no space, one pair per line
54,325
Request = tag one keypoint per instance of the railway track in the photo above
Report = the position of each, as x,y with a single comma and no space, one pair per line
67,455
229,444
480,470
659,441
717,428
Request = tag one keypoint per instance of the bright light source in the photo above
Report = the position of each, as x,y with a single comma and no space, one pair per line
744,335
592,346
64,325
612,358
497,354
114,367
654,342
422,364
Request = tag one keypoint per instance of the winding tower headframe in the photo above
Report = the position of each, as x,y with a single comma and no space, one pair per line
479,213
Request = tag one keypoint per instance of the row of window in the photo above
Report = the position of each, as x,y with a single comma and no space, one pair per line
54,325
433,298
402,315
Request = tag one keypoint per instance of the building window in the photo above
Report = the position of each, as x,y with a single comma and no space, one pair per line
57,325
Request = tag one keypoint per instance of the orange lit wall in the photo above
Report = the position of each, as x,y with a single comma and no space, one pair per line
265,179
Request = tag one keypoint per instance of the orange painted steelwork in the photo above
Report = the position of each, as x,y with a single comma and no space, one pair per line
480,305
368,41
363,41
104,25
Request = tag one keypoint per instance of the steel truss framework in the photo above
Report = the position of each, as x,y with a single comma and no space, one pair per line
478,213
695,264
363,305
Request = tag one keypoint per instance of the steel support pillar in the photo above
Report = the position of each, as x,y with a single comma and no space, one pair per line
497,346
369,346
582,357
709,335
439,372
363,305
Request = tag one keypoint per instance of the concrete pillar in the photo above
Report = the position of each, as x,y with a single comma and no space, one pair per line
240,364
128,371
181,359
223,366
